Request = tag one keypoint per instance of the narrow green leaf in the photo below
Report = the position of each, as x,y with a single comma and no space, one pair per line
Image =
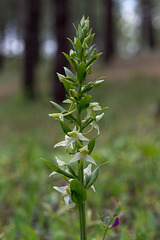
80,33
87,122
116,211
69,73
71,42
68,57
61,77
87,88
54,168
91,145
58,107
71,170
84,104
78,193
71,60
107,220
81,72
92,60
65,127
82,22
86,26
66,85
92,178
79,49
89,39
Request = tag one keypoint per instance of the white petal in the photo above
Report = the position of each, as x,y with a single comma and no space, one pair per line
67,199
88,169
60,189
81,137
53,173
61,118
96,127
88,158
62,143
77,157
93,188
60,163
71,140
97,108
98,117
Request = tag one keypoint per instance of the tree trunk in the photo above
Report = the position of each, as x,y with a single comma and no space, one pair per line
109,31
31,39
1,51
148,34
61,16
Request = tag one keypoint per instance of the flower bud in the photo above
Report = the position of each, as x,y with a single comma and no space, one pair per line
97,83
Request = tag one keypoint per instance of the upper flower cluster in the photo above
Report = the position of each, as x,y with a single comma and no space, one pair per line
81,117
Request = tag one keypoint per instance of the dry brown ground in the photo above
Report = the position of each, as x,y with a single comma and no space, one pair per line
147,64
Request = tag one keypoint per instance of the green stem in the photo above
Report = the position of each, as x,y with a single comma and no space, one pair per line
82,212
82,221
104,235
81,206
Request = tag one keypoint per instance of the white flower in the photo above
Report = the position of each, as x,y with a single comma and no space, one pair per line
94,123
61,165
57,116
95,106
66,195
60,116
73,137
87,171
83,155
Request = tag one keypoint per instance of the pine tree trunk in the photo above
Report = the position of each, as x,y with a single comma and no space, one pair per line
1,50
61,16
31,39
109,31
148,34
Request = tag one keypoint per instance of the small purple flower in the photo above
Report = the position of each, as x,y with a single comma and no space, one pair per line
115,224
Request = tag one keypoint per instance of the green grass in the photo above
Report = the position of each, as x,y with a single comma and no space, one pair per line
129,140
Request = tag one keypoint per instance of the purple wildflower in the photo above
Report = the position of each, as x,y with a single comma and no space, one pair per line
115,224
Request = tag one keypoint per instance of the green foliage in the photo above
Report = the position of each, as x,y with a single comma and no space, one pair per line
78,193
92,178
84,104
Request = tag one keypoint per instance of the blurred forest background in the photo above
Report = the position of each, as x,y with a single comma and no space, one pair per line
32,36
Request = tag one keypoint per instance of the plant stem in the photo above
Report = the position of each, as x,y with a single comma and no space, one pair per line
81,206
82,221
82,212
104,235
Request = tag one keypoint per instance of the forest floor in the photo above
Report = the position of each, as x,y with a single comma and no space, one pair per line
146,64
